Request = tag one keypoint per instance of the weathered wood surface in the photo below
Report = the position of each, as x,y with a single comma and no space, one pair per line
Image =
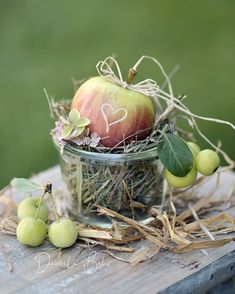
42,270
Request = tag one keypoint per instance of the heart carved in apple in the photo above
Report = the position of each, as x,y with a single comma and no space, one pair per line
117,114
108,112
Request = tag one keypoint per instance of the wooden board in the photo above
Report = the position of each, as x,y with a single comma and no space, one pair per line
43,270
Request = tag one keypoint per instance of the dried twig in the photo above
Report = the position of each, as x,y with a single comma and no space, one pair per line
133,223
143,253
116,257
6,252
202,245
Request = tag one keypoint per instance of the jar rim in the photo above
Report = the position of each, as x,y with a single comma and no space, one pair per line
114,157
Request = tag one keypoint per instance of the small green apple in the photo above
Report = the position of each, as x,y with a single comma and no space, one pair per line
31,231
195,149
28,207
181,182
63,233
207,162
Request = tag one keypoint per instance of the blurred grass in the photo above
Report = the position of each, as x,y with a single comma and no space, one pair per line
46,43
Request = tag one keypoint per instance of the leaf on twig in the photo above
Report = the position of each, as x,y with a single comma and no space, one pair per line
25,185
175,155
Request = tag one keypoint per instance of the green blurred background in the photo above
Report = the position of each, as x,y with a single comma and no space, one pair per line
44,44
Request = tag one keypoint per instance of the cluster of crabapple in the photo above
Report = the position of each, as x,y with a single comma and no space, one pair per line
32,229
206,162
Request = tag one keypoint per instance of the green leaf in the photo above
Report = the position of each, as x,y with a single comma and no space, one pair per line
74,117
175,155
25,185
83,122
67,130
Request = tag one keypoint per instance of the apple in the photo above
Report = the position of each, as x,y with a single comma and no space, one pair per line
207,162
116,114
31,231
28,207
195,149
181,182
63,233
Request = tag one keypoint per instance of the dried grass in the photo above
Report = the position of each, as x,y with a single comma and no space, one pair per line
191,229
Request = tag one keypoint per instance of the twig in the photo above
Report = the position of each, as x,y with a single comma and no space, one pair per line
133,223
6,252
116,257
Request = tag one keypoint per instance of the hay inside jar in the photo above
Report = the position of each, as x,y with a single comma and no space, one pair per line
115,138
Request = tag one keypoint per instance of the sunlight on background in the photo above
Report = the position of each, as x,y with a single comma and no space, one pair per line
44,44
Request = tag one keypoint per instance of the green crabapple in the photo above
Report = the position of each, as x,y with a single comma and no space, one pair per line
63,233
31,231
207,162
181,182
29,206
195,149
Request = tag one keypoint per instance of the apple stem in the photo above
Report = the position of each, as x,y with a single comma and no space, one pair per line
131,75
47,189
39,205
53,202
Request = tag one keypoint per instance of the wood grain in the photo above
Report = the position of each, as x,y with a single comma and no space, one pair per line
80,270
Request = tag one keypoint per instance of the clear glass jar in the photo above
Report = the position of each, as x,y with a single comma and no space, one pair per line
126,183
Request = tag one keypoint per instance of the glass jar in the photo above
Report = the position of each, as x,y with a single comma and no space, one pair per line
126,183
